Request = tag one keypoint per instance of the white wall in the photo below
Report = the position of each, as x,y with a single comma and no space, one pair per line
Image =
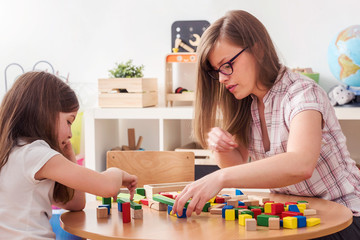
86,37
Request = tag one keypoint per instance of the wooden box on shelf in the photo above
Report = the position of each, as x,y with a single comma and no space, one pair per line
128,92
202,156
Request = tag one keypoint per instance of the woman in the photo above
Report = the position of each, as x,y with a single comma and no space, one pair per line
267,126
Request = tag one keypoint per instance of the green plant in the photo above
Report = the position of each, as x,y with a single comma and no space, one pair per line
127,70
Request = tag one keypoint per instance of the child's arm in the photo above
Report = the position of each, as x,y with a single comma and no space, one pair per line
105,184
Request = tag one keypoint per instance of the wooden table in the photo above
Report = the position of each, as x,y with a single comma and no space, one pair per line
159,225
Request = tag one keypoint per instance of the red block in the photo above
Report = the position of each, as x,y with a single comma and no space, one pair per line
277,208
144,202
256,211
290,214
244,207
219,200
268,202
126,212
167,195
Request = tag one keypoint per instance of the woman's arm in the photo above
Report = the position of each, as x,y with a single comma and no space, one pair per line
297,164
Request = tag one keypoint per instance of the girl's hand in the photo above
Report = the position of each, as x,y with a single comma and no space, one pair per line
200,191
220,140
68,151
129,181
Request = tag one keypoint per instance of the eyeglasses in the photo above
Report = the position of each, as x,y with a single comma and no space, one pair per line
226,68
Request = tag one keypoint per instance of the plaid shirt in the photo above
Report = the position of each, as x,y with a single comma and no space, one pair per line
336,176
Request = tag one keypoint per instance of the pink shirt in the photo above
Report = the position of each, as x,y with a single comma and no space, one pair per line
336,176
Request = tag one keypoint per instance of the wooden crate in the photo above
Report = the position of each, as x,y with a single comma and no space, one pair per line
202,156
141,92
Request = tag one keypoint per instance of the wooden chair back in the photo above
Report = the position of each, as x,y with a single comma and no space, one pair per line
153,167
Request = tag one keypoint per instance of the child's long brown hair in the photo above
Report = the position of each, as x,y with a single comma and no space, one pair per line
214,105
30,111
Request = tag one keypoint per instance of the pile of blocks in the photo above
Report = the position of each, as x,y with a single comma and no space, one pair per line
250,211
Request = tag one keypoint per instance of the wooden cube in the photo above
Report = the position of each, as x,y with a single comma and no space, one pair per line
250,224
101,212
274,223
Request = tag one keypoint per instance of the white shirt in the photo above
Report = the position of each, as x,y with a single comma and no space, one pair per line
25,203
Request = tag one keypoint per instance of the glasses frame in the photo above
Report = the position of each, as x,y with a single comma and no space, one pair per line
228,62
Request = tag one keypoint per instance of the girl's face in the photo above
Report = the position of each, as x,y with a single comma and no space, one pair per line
243,80
64,127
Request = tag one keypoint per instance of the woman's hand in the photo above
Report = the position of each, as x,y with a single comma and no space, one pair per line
129,181
220,140
200,192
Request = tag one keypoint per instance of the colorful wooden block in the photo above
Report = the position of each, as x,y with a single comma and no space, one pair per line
106,200
108,206
309,212
119,206
136,214
230,214
293,208
274,223
267,207
310,222
263,219
224,209
206,207
233,202
256,211
250,224
290,222
101,212
248,212
242,218
290,214
277,208
157,205
219,199
126,212
140,191
238,192
133,204
301,221
144,202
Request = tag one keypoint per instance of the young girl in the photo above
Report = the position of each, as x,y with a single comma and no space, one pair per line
37,162
249,105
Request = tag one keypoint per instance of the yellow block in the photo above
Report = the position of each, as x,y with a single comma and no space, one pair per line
310,222
286,208
230,214
212,200
290,222
242,218
267,207
301,209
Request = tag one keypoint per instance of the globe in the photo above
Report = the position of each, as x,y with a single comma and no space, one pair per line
344,56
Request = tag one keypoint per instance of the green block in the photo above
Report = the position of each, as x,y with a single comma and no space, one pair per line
263,219
302,201
137,197
206,207
106,201
133,205
166,200
248,212
140,191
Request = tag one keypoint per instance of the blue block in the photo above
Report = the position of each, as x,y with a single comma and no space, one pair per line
281,223
169,209
238,192
301,220
240,203
119,206
106,205
293,208
224,209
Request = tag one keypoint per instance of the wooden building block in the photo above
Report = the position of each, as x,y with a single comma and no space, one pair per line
310,222
277,208
157,205
290,222
267,207
261,199
309,212
250,224
216,211
230,214
140,191
136,214
274,223
102,212
233,202
106,200
242,218
131,138
126,212
263,219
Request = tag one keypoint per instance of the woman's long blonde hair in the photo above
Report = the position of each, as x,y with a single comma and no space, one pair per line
214,105
30,111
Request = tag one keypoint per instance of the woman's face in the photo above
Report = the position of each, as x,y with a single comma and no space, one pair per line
243,80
